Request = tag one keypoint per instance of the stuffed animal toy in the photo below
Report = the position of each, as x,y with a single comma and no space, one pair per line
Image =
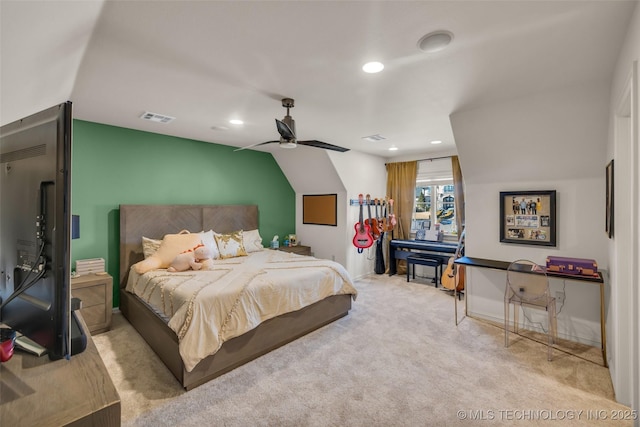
202,256
190,259
172,244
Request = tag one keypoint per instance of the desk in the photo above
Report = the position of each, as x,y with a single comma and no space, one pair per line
504,265
401,249
35,391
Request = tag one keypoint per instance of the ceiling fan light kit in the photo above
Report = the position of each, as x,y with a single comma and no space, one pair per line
287,130
287,144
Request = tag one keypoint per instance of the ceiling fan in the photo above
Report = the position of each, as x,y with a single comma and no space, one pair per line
287,130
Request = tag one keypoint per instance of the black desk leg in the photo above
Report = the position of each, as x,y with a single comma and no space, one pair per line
392,262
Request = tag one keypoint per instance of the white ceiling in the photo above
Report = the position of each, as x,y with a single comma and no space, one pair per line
205,62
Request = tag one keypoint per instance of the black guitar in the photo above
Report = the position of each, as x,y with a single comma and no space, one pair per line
379,266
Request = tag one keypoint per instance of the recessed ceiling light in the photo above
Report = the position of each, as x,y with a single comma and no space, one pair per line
393,148
373,67
435,41
236,122
436,142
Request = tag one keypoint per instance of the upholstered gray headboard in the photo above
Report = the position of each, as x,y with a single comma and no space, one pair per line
154,221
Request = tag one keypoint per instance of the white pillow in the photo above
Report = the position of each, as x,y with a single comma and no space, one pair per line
252,241
150,246
230,245
209,241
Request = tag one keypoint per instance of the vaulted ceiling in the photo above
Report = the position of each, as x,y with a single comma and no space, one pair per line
206,62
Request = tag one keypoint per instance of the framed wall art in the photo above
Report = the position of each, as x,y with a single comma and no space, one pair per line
609,201
528,217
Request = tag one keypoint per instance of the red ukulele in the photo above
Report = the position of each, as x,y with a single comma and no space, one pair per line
362,238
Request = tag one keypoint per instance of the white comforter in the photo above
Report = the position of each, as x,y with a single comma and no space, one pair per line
207,308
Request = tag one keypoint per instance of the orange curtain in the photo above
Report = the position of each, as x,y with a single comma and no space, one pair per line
401,187
458,192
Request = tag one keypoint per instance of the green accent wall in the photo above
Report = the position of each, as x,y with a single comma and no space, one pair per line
113,166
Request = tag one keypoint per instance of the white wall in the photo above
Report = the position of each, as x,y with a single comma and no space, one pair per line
310,171
548,141
366,174
577,236
623,324
316,171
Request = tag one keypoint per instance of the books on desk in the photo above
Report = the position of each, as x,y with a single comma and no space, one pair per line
573,266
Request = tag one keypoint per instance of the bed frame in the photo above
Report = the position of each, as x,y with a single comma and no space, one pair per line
155,221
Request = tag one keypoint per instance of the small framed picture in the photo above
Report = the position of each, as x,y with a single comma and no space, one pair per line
528,217
609,200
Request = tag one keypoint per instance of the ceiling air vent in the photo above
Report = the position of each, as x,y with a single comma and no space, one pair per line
374,138
158,118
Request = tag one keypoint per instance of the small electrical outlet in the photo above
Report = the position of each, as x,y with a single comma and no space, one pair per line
560,297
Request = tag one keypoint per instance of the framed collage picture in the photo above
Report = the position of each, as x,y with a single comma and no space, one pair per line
528,217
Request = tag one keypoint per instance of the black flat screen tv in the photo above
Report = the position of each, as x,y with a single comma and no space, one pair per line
35,228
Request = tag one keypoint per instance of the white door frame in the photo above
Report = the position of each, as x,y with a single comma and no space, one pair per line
625,267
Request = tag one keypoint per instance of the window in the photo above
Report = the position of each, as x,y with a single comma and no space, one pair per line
435,200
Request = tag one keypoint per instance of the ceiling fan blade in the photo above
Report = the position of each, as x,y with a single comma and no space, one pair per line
254,145
285,131
325,145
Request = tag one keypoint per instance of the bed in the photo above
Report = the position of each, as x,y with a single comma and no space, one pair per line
155,221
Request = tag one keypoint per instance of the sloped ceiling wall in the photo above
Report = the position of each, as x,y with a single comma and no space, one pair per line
561,134
309,170
50,70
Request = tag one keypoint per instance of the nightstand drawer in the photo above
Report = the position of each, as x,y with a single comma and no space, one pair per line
91,295
96,293
95,316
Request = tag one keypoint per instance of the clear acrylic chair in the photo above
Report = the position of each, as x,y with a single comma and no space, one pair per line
528,286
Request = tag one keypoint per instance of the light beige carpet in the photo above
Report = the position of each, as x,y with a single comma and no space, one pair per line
396,360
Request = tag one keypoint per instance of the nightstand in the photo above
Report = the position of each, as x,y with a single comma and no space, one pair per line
96,293
299,249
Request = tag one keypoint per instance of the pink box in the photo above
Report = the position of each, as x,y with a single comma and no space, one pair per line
577,266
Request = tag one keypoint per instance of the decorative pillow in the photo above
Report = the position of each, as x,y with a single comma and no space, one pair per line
252,241
230,245
209,241
150,246
172,245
